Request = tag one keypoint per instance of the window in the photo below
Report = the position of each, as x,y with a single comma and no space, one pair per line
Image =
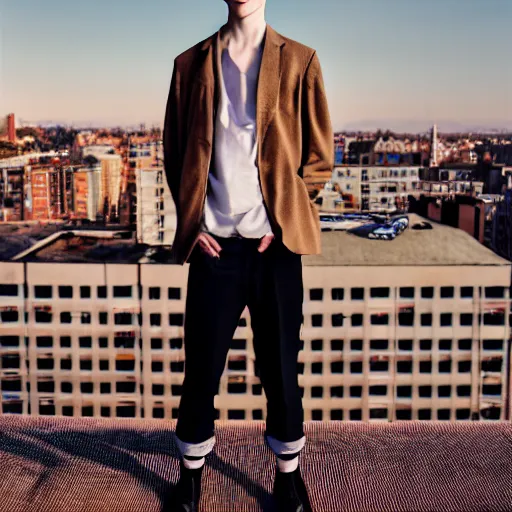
85,341
446,319
316,320
103,318
42,292
235,388
85,364
317,345
496,317
174,294
337,367
379,293
8,290
466,292
176,319
426,319
125,365
357,293
10,341
425,344
357,319
317,392
105,388
466,319
447,292
42,317
177,343
406,317
445,366
407,292
494,292
85,317
404,366
155,319
154,293
492,345
337,320
356,367
336,344
102,292
123,318
379,344
405,345
156,344
10,316
425,366
445,344
404,391
380,319
427,292
356,345
122,292
316,294
317,368
336,391
85,292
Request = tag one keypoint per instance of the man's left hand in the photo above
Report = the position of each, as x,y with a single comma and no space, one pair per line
265,241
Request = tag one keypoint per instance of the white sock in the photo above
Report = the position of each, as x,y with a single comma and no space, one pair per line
287,466
193,464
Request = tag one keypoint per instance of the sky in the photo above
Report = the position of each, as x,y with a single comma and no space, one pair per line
396,64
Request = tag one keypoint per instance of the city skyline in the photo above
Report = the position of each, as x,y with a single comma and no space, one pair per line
97,65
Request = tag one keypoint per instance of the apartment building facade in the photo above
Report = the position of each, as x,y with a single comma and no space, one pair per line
376,188
413,329
156,211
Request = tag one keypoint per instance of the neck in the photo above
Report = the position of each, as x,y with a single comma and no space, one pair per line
248,31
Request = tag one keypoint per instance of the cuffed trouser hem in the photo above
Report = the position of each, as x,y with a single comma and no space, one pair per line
195,449
285,448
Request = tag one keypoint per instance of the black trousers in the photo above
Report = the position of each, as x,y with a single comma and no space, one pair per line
270,284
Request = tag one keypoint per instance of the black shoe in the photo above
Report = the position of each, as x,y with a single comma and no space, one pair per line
302,491
286,491
185,496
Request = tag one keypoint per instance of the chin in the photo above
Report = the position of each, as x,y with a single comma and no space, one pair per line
241,9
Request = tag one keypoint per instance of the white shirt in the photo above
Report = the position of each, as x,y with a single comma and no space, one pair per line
234,202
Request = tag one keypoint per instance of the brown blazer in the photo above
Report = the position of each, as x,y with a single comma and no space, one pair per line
294,136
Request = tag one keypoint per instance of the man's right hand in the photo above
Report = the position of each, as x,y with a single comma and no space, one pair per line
209,245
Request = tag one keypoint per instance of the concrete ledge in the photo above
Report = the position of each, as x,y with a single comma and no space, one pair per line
69,464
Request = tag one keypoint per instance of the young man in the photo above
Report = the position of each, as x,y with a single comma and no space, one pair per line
246,121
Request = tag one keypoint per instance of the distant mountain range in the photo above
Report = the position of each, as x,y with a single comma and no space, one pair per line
422,126
396,125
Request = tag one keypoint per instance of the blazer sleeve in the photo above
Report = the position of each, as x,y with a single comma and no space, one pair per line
171,137
317,134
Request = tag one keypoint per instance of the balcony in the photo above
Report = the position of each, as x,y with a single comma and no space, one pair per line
86,464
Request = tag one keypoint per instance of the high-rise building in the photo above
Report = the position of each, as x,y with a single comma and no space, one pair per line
11,128
410,329
156,212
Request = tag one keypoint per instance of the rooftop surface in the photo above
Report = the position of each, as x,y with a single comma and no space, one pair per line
99,465
441,245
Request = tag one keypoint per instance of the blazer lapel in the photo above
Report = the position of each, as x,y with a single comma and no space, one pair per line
268,81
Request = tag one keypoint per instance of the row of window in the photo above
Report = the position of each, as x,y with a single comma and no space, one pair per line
405,319
405,392
316,345
239,364
409,292
315,294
